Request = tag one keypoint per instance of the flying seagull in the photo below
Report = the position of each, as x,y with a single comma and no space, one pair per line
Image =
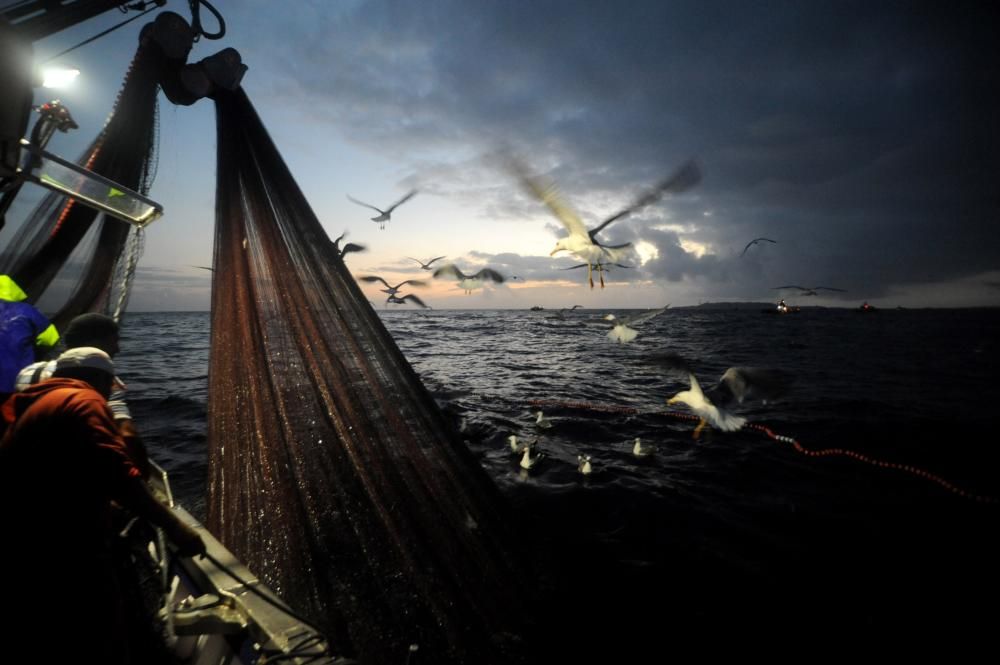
425,266
754,242
391,290
737,385
401,300
469,282
559,315
348,248
582,242
620,329
810,291
384,215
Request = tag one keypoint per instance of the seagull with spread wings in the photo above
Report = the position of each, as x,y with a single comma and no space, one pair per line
582,242
425,266
620,328
469,282
347,248
390,289
737,385
754,242
384,215
401,300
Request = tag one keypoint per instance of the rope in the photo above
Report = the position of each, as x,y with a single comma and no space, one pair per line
97,36
132,251
798,447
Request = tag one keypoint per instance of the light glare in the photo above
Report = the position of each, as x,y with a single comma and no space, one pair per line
58,77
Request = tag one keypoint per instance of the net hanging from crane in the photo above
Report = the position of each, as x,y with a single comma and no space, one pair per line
332,472
73,254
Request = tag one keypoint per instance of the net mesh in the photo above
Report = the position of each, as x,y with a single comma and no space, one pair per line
332,473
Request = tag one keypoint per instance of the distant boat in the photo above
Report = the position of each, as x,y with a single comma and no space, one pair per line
537,308
866,308
786,310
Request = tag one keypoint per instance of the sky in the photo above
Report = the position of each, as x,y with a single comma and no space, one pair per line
864,138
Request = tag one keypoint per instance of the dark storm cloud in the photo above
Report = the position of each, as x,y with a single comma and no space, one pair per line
863,136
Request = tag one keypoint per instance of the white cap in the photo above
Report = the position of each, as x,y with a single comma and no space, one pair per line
85,356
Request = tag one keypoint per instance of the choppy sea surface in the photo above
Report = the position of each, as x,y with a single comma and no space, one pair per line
733,535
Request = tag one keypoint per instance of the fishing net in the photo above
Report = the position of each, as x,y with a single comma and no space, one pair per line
332,473
48,256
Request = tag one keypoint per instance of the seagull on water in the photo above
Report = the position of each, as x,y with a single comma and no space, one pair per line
401,300
391,290
527,460
582,242
583,465
427,265
541,422
620,330
810,291
469,282
754,242
562,317
640,450
737,385
383,215
518,446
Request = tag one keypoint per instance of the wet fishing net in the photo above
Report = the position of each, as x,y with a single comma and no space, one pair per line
75,258
332,472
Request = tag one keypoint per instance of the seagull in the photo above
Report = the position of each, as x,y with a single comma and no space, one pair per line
754,242
401,300
348,248
469,282
515,445
600,268
425,266
583,465
383,215
562,317
202,267
391,290
527,461
541,422
621,331
640,450
737,385
810,291
582,242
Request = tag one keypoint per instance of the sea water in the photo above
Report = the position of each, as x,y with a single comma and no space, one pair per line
732,533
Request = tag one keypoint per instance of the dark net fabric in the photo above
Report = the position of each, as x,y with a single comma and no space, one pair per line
332,473
125,153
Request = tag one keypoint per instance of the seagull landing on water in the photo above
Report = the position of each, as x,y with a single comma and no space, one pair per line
582,242
402,300
639,450
518,446
754,242
737,385
425,266
541,422
383,215
583,465
562,317
469,282
621,331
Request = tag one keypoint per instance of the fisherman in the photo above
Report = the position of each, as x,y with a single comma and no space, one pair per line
62,463
100,331
23,332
